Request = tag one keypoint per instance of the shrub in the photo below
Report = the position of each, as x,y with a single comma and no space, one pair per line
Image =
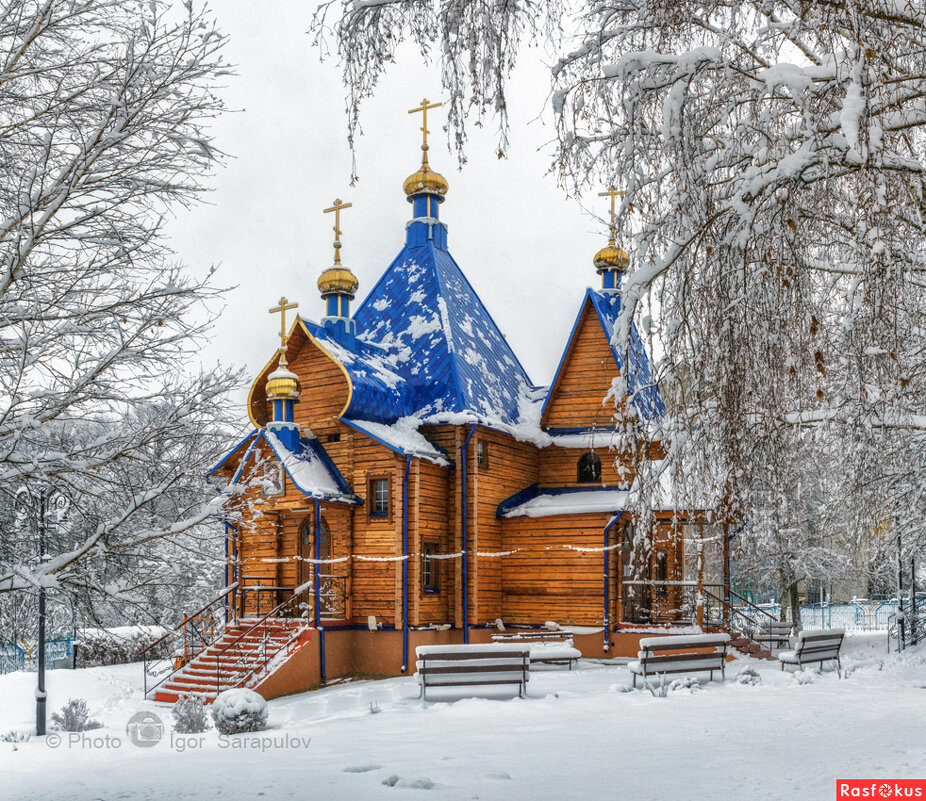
97,647
15,737
75,716
190,715
239,710
748,675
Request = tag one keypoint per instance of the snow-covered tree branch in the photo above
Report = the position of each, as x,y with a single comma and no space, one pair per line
775,212
103,112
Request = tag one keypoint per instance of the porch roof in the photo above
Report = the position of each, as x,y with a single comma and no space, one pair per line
536,501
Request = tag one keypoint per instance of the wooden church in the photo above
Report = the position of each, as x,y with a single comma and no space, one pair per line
406,483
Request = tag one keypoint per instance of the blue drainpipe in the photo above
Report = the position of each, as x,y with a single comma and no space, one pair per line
607,588
408,464
463,459
318,627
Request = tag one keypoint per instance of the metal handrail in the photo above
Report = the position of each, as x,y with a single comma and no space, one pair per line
230,588
151,663
751,605
247,632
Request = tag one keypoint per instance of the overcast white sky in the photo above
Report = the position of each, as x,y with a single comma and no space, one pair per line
526,248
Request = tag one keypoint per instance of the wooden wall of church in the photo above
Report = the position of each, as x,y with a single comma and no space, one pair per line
584,379
430,524
547,581
324,388
376,585
509,466
559,467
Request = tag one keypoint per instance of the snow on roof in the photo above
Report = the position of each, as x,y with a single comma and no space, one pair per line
311,470
432,331
537,502
402,436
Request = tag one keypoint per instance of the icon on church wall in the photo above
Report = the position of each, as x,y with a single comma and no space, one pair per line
273,485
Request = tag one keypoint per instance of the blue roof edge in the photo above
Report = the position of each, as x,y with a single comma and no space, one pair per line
562,360
394,448
535,490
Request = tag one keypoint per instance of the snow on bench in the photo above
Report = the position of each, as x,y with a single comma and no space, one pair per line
821,645
774,633
690,653
472,665
546,647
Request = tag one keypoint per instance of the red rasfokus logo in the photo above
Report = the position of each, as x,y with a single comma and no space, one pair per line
880,788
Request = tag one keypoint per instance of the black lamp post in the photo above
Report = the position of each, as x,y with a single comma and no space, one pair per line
40,501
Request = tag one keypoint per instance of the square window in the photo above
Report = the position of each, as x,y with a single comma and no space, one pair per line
379,497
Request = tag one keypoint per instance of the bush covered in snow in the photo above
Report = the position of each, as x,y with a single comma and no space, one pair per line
74,716
239,710
748,675
118,646
190,715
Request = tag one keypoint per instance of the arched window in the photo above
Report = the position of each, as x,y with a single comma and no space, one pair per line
589,468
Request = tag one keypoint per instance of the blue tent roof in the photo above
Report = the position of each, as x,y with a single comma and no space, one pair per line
427,347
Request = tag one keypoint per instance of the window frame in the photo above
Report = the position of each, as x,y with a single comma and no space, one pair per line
430,568
482,454
595,460
372,511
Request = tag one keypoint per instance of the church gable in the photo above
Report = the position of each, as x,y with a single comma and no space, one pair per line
577,396
326,389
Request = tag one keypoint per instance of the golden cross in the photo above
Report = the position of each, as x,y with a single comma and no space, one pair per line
336,208
282,309
612,193
423,108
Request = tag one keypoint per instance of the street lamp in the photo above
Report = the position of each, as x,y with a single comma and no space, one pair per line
41,500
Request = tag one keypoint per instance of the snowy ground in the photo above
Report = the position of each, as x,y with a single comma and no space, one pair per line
579,735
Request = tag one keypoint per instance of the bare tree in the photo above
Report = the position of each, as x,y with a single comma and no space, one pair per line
103,106
772,154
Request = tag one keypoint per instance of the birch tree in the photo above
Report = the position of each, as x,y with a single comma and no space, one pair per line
772,157
104,108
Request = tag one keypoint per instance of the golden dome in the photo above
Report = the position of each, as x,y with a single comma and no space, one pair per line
426,180
611,257
282,384
338,279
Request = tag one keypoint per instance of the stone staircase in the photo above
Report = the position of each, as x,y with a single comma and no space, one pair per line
243,656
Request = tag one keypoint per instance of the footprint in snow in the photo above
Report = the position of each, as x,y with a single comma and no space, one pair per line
361,769
424,783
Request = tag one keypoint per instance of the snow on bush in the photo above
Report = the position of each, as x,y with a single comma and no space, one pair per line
190,715
15,737
75,716
239,710
689,684
748,676
118,646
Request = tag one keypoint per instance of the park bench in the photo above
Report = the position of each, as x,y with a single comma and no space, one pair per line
546,647
819,646
774,634
686,653
472,665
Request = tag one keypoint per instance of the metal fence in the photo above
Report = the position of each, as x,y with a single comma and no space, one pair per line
14,657
852,616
